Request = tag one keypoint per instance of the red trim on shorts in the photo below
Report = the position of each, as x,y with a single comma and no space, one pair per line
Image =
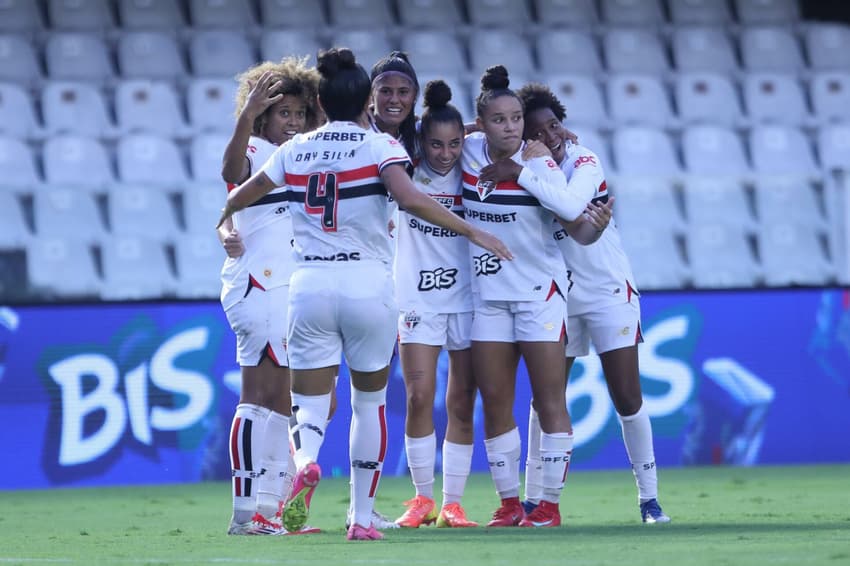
270,353
630,291
638,335
563,332
552,290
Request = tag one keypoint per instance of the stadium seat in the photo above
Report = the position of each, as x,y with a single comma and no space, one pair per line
80,15
644,151
593,140
780,200
235,14
827,45
781,150
135,268
146,159
139,211
220,53
568,51
461,98
573,13
582,97
366,14
639,99
211,104
710,199
707,98
770,49
634,50
202,203
75,108
632,12
77,56
67,213
647,201
767,11
58,267
830,95
18,62
205,156
792,254
707,49
275,44
429,13
162,15
15,232
486,14
434,51
77,161
17,116
199,259
699,12
148,106
721,257
20,17
713,150
301,14
17,165
152,55
488,47
369,46
654,256
775,98
834,147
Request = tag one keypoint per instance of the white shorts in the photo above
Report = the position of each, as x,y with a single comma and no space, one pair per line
610,328
342,309
451,330
519,321
259,321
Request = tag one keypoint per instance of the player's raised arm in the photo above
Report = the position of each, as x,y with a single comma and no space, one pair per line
245,194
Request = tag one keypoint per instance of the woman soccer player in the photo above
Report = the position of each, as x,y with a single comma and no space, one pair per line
341,294
395,88
435,302
520,308
275,101
604,307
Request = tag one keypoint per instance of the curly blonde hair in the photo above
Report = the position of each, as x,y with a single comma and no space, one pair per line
296,79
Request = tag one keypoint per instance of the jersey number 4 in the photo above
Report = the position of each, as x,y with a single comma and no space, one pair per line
321,198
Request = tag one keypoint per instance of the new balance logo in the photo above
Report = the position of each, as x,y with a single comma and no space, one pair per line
440,278
365,464
498,464
486,264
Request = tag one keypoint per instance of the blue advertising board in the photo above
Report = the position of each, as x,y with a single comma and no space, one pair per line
145,392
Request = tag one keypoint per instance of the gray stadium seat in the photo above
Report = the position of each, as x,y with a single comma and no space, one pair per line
781,150
582,97
135,268
152,55
18,62
574,13
429,13
654,256
20,16
701,12
644,151
767,11
633,50
717,200
80,15
714,151
647,201
639,99
15,232
58,267
211,104
17,116
707,98
368,45
205,156
199,259
781,200
830,95
146,159
77,56
434,51
703,49
770,49
792,254
202,203
568,51
498,13
17,165
776,98
67,213
77,161
632,12
834,147
367,14
304,14
150,14
827,45
490,47
76,108
721,257
276,44
138,211
219,53
235,14
148,106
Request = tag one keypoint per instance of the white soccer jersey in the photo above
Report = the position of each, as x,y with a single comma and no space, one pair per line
432,263
599,274
521,215
266,231
338,202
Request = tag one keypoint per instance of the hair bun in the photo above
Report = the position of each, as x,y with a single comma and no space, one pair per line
330,62
396,54
437,94
495,78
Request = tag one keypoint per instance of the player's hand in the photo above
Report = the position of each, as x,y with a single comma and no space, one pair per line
502,170
490,243
571,136
599,215
535,148
391,227
260,96
233,245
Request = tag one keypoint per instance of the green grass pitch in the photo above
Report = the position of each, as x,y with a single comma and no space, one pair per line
721,516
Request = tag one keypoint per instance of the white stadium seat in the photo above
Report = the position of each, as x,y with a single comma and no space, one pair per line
369,46
366,14
647,201
639,99
199,259
75,108
775,98
58,267
20,16
221,14
202,204
781,150
644,151
211,104
147,159
139,211
18,61
296,14
707,49
582,97
80,15
780,200
150,55
17,165
715,151
429,13
488,47
792,254
150,15
67,214
655,257
834,147
767,11
497,13
633,50
135,268
220,53
830,95
632,12
827,45
434,51
573,13
718,200
17,115
77,56
707,98
15,232
275,44
770,49
77,161
149,106
721,257
568,51
205,156
701,12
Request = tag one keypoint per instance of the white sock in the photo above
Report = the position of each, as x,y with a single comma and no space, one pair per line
555,451
275,461
307,426
290,472
246,445
421,457
503,454
367,446
457,462
637,436
533,464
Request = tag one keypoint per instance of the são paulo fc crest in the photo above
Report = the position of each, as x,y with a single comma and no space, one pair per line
411,319
485,188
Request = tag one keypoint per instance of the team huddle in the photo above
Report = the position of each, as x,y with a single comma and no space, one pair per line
352,226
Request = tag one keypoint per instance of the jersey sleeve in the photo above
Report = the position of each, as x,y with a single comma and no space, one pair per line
273,168
387,151
543,178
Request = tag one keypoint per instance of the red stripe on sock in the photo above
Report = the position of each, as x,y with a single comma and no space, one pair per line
234,442
382,417
566,467
374,487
